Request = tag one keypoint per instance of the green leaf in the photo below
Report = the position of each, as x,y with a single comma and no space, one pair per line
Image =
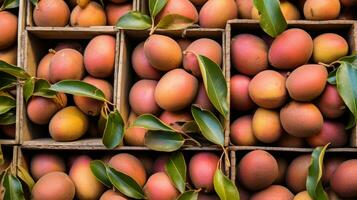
313,182
114,130
190,127
13,70
42,89
174,22
224,187
78,88
7,81
125,184
346,79
28,88
8,117
350,59
209,125
102,3
351,122
98,169
134,20
163,141
13,188
6,104
155,6
150,122
2,161
34,2
176,169
24,175
332,77
272,20
10,4
188,195
215,84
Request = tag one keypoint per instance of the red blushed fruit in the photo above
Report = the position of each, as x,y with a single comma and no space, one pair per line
242,132
240,99
331,132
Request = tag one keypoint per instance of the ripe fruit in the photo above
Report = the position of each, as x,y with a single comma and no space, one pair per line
68,44
289,10
307,82
282,166
240,99
297,173
202,99
183,43
8,29
92,15
43,68
344,180
180,7
66,64
115,11
202,167
9,55
291,49
83,3
42,164
216,13
51,13
134,136
330,166
68,124
99,56
241,131
266,125
301,119
54,186
171,118
249,54
304,195
87,185
275,192
48,108
162,52
160,187
331,132
206,47
329,47
287,140
91,106
112,195
142,99
129,165
245,8
159,164
174,82
141,64
321,9
267,89
251,173
330,103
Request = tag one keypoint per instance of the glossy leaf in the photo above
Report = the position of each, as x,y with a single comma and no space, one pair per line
28,88
163,141
13,70
114,130
42,89
125,184
155,6
350,59
8,117
174,22
224,187
98,169
7,81
314,179
134,20
176,169
150,122
332,77
78,88
6,104
215,84
24,175
272,20
209,125
13,188
188,195
10,4
190,127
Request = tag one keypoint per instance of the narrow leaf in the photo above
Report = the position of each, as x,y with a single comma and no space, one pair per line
134,20
24,175
8,117
176,169
163,141
13,188
332,77
174,22
98,169
215,84
224,187
34,2
314,183
125,184
41,89
10,4
28,88
155,6
150,122
7,81
6,104
114,130
272,20
209,125
13,70
188,195
78,88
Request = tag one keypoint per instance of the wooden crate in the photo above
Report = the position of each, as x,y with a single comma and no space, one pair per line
10,156
345,28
